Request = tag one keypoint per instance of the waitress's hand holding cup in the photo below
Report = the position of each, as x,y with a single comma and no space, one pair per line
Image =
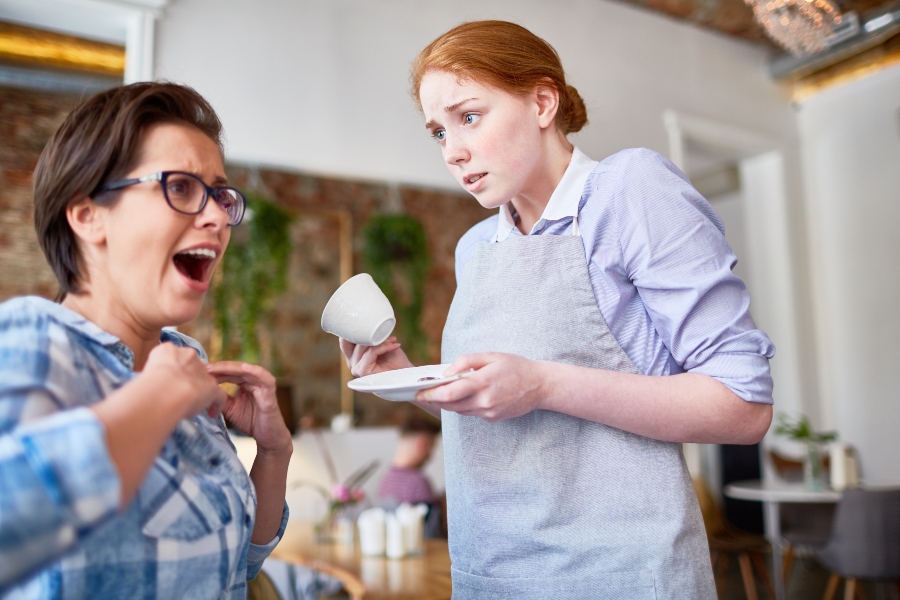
360,314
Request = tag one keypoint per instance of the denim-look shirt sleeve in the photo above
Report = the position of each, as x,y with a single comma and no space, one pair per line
57,480
674,252
256,553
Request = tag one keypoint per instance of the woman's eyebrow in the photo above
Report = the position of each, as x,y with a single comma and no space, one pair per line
449,109
455,107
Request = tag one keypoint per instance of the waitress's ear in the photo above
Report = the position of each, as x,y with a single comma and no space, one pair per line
87,221
547,100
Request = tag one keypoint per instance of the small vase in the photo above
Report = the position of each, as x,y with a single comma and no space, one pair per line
336,526
812,467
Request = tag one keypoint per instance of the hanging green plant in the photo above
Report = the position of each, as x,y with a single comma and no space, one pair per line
254,273
395,253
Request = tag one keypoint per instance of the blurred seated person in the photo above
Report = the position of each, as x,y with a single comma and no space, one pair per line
117,476
405,481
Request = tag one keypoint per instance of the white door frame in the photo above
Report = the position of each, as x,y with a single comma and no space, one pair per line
128,22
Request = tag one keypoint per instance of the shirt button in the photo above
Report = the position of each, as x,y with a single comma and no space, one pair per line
215,461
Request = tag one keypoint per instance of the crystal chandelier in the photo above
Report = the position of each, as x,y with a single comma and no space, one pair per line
801,26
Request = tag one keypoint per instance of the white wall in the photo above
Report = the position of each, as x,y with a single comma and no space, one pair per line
321,85
851,160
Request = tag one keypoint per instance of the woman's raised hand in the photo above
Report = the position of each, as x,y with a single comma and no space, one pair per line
368,360
502,386
181,368
254,408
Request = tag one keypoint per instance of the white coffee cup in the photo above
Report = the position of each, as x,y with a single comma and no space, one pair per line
359,312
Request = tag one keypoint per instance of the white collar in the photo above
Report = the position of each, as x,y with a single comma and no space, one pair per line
564,201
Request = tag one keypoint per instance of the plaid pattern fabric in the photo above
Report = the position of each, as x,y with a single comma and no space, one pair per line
187,532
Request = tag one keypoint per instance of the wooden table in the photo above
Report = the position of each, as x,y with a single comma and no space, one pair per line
425,577
772,494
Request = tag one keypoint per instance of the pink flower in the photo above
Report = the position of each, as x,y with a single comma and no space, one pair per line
358,494
340,493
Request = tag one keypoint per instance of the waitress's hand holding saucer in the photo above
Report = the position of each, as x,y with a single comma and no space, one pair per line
501,387
362,317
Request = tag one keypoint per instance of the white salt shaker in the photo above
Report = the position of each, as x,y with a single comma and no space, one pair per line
412,518
371,532
394,546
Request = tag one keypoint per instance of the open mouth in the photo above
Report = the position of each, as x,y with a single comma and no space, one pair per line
195,263
473,178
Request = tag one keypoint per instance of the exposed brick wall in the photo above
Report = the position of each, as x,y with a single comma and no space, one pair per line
305,356
27,120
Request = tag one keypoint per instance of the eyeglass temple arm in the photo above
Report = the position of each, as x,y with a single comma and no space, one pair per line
116,185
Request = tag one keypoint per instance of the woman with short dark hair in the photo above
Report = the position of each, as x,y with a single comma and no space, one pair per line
117,476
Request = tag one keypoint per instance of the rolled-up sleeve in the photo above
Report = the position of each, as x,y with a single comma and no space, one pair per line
674,251
57,482
257,553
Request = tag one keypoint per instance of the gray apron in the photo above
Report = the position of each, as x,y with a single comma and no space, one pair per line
548,505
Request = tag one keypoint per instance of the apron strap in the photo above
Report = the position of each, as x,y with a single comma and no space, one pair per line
576,229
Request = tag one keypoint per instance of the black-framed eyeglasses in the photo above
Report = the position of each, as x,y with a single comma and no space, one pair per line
187,193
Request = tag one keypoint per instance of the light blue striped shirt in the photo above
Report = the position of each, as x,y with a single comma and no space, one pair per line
659,266
187,532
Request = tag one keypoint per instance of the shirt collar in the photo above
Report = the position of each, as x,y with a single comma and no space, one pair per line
77,323
563,203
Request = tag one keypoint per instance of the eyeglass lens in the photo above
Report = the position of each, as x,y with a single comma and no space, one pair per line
187,194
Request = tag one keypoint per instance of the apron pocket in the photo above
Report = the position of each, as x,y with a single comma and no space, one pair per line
620,585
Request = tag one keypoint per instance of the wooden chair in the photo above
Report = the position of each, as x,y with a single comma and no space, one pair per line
725,540
263,588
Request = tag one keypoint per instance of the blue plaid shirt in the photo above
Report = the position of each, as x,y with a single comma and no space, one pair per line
187,532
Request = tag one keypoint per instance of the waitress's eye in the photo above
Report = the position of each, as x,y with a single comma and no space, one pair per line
470,118
439,135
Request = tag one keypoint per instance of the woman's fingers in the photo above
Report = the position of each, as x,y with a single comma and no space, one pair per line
225,367
217,406
230,367
347,349
503,386
472,361
363,359
231,379
451,392
255,384
239,372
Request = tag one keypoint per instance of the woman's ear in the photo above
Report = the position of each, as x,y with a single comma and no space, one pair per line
87,221
547,98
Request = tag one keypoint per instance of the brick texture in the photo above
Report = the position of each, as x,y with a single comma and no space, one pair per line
27,120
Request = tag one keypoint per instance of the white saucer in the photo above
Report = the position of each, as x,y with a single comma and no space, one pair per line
401,385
